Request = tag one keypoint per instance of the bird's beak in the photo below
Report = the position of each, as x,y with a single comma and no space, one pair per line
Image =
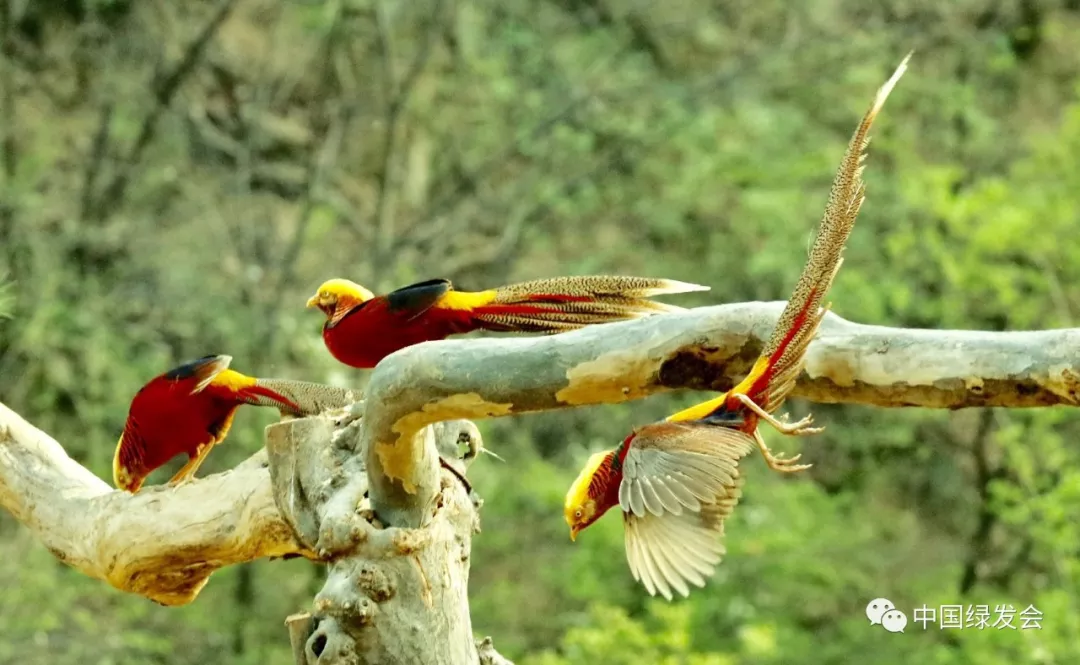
313,301
573,533
127,484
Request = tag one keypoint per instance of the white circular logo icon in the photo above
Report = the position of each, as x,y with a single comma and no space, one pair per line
894,621
876,608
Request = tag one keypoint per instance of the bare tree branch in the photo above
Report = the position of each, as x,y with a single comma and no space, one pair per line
164,88
488,656
705,348
385,585
161,543
383,501
300,626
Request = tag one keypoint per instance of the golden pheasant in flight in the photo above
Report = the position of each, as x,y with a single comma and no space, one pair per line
677,480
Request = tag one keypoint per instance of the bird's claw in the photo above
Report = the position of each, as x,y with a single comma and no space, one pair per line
800,427
778,462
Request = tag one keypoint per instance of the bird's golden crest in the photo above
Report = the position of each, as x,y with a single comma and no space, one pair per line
579,509
334,291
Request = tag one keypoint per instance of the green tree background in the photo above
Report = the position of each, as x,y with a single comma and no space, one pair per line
162,202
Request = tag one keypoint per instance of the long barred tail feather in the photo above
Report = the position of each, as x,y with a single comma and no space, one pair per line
799,322
567,303
297,398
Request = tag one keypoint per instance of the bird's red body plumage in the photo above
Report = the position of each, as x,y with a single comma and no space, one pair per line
182,411
375,330
426,312
167,420
361,328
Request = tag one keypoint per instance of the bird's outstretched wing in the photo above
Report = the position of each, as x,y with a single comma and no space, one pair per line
680,482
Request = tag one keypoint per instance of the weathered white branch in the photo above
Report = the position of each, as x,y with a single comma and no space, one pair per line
392,595
304,495
161,543
705,348
384,501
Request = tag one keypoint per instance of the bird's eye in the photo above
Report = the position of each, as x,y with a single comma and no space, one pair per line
577,513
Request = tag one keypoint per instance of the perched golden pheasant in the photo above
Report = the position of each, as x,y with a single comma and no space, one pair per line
361,328
677,480
189,410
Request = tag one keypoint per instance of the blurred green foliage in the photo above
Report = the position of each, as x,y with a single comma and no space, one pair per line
694,140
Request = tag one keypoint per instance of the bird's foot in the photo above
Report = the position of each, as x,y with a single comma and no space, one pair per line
799,427
778,461
178,480
187,472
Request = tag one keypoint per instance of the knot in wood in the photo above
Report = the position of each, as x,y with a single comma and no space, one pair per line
375,583
365,611
410,541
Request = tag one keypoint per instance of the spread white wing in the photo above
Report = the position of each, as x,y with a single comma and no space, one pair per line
680,482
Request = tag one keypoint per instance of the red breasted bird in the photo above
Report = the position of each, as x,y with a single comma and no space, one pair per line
189,410
677,480
361,328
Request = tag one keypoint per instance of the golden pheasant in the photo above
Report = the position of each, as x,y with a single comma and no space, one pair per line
190,408
361,328
677,480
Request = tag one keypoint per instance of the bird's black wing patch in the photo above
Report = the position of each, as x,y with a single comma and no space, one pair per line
418,298
195,368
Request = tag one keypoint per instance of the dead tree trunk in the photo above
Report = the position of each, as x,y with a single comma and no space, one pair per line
379,493
395,593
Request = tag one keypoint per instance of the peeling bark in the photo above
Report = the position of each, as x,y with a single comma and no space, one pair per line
392,595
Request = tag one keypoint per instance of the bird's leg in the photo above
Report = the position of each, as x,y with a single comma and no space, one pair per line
187,472
797,428
777,462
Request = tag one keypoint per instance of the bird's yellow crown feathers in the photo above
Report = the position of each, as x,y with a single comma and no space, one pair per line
579,491
580,509
337,290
